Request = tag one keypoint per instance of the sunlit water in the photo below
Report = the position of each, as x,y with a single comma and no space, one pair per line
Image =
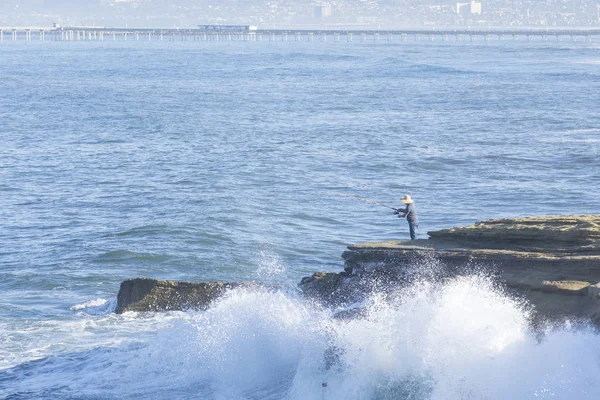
220,161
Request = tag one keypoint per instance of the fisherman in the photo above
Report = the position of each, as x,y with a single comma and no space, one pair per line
410,213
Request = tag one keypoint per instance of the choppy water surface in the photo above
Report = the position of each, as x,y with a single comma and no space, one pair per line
219,161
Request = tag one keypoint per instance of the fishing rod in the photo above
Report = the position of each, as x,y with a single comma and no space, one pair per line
365,200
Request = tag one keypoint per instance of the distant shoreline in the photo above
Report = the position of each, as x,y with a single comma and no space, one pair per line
342,28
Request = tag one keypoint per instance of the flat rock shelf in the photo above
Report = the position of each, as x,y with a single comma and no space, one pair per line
553,262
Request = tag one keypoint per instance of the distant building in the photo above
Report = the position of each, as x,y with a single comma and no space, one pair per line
476,7
226,28
473,7
323,11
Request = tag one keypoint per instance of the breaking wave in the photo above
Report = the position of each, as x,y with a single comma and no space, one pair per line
461,339
97,306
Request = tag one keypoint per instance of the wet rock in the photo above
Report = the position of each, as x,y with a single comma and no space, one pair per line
351,314
594,291
322,286
575,288
144,294
554,262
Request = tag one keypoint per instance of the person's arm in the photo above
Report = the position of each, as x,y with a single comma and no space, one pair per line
407,210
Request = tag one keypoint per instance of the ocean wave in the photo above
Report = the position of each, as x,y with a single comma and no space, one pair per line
148,230
438,69
128,255
465,338
97,306
591,62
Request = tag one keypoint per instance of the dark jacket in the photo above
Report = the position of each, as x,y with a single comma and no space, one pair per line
410,212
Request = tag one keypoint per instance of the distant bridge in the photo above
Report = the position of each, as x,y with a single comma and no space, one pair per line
93,33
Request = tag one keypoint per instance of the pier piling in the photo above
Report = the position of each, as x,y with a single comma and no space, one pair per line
248,34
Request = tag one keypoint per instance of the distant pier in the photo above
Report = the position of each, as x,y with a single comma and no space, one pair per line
92,33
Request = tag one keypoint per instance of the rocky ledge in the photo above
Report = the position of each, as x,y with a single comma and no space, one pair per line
554,262
143,294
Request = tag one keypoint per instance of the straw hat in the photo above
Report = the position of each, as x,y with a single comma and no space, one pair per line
406,199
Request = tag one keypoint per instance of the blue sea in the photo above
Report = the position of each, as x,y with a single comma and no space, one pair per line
205,161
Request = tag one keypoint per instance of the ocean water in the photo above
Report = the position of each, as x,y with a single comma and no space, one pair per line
221,161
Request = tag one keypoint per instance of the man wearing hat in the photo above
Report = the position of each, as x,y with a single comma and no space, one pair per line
410,213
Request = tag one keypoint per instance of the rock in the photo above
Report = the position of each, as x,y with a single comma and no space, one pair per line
143,294
553,261
594,291
322,286
553,233
351,314
576,288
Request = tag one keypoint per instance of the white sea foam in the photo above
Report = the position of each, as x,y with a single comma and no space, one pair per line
464,339
590,61
586,130
96,306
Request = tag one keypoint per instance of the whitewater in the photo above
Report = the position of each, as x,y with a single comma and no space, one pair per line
465,339
217,161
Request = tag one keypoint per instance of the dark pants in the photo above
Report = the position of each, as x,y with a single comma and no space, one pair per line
413,229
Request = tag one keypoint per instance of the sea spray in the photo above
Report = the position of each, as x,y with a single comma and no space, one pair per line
464,339
270,265
460,338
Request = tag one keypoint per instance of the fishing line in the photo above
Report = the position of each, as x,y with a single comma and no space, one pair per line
363,199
